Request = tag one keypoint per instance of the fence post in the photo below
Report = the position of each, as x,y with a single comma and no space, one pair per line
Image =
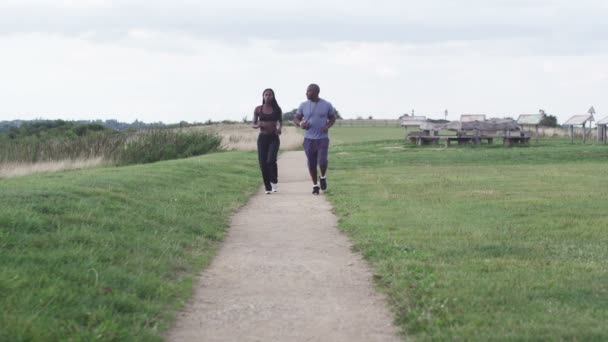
584,133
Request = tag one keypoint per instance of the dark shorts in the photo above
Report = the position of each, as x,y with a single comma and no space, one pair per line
316,152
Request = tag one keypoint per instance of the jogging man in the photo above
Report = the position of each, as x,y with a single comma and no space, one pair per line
316,116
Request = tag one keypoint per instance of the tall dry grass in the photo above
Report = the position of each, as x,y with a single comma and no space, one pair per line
34,150
88,152
21,157
243,137
17,169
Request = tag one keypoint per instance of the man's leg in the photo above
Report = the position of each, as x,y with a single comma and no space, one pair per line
310,148
322,155
323,169
313,175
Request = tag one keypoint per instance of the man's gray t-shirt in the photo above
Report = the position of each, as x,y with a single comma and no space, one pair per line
317,114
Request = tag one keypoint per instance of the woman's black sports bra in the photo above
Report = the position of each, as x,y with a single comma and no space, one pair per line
274,116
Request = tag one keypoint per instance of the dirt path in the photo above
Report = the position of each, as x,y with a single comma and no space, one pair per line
285,273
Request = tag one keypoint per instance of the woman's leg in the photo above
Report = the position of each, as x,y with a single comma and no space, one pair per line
273,151
262,157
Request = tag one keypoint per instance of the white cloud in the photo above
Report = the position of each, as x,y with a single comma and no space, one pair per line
196,61
367,20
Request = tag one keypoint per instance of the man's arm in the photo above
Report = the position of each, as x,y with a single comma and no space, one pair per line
331,121
297,120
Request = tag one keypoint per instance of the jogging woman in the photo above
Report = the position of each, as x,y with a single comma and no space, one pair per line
268,118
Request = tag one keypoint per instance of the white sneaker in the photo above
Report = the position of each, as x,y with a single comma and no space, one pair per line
275,187
268,192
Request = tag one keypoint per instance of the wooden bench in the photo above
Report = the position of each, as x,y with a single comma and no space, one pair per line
424,140
466,139
434,140
510,140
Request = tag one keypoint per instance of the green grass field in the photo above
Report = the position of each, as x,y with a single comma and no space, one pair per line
348,135
483,243
469,243
110,254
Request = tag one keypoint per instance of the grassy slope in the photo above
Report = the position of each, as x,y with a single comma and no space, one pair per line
110,254
481,243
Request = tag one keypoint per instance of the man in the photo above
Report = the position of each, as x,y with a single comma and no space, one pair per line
316,116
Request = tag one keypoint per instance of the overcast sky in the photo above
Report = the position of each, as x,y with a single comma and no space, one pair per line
193,60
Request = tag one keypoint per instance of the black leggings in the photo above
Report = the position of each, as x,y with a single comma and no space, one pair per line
268,148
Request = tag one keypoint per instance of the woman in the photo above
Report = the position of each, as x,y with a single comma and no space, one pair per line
268,118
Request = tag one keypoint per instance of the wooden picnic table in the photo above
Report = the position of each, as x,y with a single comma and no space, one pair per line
423,138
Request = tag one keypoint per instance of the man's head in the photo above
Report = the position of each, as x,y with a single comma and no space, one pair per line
312,92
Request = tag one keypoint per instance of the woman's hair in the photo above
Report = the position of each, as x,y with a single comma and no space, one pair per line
275,104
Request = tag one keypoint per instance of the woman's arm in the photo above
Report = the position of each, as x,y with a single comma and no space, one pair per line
256,115
279,123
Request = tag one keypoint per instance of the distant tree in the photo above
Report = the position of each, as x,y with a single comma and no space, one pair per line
229,122
111,123
137,124
370,117
338,116
82,130
49,129
289,116
549,121
40,127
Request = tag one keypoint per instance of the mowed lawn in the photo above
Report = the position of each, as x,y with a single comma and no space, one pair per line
484,243
110,254
347,135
